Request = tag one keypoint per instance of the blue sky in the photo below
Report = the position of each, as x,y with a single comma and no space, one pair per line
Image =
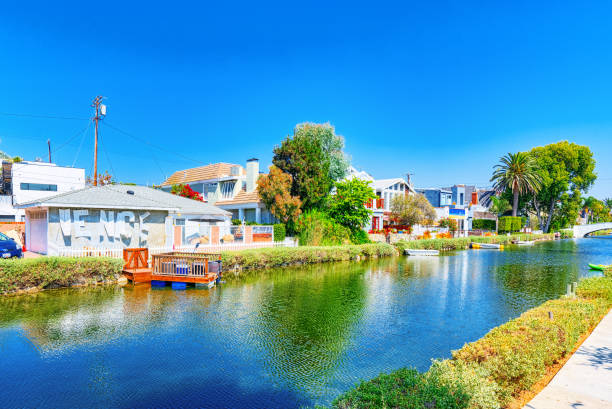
441,90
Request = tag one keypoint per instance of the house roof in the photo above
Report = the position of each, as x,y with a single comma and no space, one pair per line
241,198
212,171
117,197
381,184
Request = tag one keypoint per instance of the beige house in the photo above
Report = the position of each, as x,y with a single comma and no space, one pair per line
228,186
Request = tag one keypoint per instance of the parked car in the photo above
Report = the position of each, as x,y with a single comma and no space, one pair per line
9,247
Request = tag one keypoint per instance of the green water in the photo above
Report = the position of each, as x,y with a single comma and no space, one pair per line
280,339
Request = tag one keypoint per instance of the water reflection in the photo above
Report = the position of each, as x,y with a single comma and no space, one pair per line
284,338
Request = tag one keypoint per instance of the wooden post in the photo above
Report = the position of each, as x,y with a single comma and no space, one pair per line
214,235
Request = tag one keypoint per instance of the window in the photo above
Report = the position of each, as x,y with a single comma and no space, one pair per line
227,190
38,186
4,237
460,198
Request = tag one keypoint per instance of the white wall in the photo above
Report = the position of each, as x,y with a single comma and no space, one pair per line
65,178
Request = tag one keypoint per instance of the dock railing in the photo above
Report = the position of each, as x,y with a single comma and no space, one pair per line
186,264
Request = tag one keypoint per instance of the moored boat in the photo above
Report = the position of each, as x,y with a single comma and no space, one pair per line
487,246
599,267
415,252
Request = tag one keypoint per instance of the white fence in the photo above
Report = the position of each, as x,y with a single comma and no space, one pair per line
204,248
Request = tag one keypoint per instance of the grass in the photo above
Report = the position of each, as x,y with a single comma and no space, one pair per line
252,259
509,360
45,272
462,243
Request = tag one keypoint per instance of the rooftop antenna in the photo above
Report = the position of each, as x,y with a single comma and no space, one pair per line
49,144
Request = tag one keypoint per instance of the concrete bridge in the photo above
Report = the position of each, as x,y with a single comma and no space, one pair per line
584,229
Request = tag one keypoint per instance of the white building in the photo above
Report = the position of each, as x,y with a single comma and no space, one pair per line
228,186
26,181
117,217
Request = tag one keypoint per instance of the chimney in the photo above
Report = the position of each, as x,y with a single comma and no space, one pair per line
252,173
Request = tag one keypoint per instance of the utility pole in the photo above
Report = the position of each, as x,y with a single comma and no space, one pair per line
49,144
96,104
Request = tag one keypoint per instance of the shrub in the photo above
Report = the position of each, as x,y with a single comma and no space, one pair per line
567,234
405,388
483,224
236,222
595,287
315,228
55,271
360,237
509,224
282,256
279,232
470,377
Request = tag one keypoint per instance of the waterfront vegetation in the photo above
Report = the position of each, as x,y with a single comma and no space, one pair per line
253,259
462,243
51,272
499,368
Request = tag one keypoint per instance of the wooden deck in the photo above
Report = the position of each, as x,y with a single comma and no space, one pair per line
196,268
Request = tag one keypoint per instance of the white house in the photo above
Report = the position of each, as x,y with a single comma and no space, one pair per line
386,190
26,181
118,216
228,186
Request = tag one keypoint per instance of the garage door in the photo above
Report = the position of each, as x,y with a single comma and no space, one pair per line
38,232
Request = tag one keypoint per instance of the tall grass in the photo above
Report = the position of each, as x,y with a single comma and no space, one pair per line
252,259
46,272
462,243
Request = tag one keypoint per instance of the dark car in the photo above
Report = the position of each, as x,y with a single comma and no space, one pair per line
9,247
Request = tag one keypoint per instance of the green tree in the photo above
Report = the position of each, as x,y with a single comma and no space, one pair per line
567,170
608,202
412,209
275,192
499,205
347,206
518,173
333,146
313,157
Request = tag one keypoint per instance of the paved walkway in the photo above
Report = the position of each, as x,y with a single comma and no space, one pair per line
585,381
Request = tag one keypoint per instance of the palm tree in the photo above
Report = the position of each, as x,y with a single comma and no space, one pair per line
517,172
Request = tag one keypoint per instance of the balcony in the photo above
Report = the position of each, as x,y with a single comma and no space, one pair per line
375,204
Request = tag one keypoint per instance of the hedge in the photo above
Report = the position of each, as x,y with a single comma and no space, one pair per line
44,272
282,256
279,232
484,224
510,359
509,224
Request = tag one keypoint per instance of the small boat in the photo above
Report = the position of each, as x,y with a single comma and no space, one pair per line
487,246
411,252
599,267
525,243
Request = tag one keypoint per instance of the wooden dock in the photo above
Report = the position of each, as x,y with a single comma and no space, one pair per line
195,268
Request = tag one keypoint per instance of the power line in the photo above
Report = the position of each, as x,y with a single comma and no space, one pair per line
72,137
165,150
80,145
73,118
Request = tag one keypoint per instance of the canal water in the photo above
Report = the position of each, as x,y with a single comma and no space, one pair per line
285,338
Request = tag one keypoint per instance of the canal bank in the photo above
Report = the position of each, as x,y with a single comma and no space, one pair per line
501,369
287,337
